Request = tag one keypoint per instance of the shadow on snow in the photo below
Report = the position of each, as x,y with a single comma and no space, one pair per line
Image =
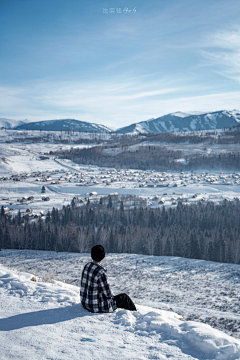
43,317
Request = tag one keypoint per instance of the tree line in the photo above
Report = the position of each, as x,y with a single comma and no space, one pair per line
150,157
227,136
203,231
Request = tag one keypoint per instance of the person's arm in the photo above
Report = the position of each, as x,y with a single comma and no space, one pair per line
104,286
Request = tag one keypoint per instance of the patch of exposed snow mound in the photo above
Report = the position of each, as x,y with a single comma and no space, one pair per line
38,289
204,341
35,313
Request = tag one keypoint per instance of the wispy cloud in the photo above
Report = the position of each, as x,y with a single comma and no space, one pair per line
222,53
92,101
112,104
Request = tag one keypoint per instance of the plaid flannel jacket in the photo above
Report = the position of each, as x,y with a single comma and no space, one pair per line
95,291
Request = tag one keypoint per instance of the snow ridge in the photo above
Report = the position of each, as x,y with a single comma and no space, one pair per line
9,123
179,121
64,124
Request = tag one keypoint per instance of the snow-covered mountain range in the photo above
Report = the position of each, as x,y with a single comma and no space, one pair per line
173,122
179,121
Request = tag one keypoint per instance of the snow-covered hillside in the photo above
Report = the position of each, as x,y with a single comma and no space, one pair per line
199,290
9,123
41,320
177,122
64,125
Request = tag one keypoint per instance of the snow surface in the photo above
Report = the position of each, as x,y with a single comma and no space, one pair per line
41,320
9,123
199,290
175,122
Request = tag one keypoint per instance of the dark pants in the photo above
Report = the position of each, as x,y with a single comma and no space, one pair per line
123,301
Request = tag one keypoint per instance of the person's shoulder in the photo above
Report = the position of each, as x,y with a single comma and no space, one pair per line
94,266
99,269
102,273
87,265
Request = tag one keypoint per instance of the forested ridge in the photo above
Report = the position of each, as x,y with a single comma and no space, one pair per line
203,231
149,151
150,157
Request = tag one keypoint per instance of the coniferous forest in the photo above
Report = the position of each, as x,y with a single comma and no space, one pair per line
199,231
150,157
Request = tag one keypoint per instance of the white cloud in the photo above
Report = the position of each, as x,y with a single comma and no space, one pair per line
91,99
223,53
205,103
111,104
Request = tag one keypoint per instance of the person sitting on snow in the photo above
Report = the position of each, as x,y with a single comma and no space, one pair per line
95,292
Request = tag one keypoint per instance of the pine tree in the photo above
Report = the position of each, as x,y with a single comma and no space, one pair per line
222,246
151,220
28,235
19,217
55,216
6,239
123,217
168,248
34,232
109,205
177,246
210,251
158,244
48,217
194,247
111,245
1,237
215,251
73,204
2,212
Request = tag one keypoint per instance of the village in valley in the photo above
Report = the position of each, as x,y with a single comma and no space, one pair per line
29,191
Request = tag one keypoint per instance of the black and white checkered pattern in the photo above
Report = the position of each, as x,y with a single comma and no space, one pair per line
95,291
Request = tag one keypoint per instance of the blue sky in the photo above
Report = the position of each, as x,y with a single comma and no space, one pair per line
116,62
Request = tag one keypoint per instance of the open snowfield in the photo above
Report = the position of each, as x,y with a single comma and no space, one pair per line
198,290
43,319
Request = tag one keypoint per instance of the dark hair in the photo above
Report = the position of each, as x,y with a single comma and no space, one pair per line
98,253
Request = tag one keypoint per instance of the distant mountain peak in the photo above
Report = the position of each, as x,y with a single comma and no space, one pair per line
63,125
179,121
9,123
